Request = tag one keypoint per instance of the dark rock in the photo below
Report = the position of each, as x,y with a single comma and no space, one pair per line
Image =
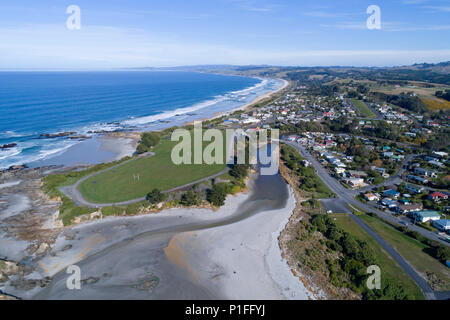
17,167
79,137
57,135
7,146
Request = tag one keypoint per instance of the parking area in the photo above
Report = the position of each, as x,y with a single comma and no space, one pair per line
336,205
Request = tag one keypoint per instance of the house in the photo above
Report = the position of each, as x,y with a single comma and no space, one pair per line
355,182
330,143
443,224
405,208
417,179
437,196
391,193
388,203
371,197
425,215
382,171
425,172
414,189
291,138
440,154
436,163
250,120
357,174
398,157
404,201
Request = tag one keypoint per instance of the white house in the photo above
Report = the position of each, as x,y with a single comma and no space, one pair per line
426,215
443,224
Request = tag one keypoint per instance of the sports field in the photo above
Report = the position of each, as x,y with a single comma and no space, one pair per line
363,109
135,179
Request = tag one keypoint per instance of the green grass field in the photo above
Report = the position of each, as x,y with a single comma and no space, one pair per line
121,184
412,250
363,108
390,269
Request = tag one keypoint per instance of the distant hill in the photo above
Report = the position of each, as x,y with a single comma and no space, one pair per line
426,72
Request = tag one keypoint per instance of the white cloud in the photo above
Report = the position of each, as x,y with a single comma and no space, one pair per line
97,47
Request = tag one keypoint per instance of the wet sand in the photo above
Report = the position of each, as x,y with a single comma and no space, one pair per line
181,253
98,149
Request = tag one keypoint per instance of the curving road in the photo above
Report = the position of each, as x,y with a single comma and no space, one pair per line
73,193
348,197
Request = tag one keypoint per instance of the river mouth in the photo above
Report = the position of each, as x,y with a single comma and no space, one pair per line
139,268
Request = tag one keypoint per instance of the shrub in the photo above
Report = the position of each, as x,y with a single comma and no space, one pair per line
133,209
112,211
217,194
155,196
190,198
148,140
239,171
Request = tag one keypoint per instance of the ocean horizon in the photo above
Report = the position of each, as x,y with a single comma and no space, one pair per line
37,103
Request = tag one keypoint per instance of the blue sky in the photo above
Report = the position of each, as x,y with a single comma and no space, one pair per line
135,33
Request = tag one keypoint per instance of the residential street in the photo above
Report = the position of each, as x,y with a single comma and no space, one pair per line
347,196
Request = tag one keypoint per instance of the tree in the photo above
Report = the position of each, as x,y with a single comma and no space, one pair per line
155,196
190,198
148,140
442,253
217,194
239,171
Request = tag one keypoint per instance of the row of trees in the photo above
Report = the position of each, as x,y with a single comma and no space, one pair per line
216,195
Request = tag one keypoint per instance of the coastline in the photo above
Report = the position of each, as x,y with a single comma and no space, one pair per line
250,104
96,149
194,253
186,253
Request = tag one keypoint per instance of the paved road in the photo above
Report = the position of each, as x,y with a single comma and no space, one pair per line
73,193
346,195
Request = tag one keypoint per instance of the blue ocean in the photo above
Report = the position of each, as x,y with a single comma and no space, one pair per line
36,103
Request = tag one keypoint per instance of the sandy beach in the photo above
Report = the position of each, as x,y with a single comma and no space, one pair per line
248,105
181,253
241,260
